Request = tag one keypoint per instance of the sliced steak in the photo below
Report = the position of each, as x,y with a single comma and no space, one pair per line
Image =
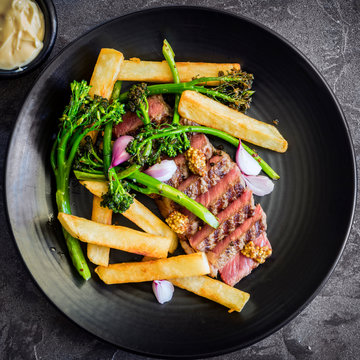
215,197
159,111
223,191
216,168
197,141
218,197
240,266
237,245
235,241
229,219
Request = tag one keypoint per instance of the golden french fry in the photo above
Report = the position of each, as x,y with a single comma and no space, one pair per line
214,290
97,188
149,222
103,78
106,72
115,237
159,71
97,254
174,267
138,214
205,111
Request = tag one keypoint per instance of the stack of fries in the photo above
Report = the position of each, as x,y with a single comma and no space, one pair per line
157,240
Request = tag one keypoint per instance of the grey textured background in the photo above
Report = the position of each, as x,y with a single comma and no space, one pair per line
328,33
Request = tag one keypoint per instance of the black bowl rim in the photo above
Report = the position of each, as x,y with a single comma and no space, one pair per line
45,52
340,111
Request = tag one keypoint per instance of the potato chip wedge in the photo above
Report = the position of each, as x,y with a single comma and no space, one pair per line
214,290
138,214
97,254
106,72
116,237
208,112
174,267
159,71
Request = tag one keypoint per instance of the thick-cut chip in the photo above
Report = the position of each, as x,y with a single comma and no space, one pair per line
205,111
97,254
174,267
116,237
97,188
159,71
104,76
214,290
138,214
149,222
106,72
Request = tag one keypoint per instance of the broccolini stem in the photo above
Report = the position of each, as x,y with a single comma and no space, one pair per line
63,202
97,157
128,171
158,187
235,141
170,58
107,146
75,146
154,186
264,165
73,245
114,181
222,135
179,88
88,161
84,176
108,130
143,112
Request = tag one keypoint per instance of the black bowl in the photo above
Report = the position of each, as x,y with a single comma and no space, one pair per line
309,213
48,9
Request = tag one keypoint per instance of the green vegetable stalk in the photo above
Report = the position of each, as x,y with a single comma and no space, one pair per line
165,141
117,198
149,185
108,130
81,116
234,89
170,58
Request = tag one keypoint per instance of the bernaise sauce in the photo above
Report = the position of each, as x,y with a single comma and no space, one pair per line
22,32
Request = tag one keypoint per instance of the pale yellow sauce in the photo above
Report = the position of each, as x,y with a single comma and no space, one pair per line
22,32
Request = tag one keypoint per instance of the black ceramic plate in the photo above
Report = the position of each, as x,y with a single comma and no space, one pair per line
309,213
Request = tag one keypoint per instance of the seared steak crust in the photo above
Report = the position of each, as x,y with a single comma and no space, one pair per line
217,167
240,266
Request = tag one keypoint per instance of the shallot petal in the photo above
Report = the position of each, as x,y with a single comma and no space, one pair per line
247,164
163,290
260,185
162,171
119,153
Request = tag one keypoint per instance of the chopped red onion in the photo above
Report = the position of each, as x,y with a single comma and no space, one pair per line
247,164
260,185
119,153
162,171
163,290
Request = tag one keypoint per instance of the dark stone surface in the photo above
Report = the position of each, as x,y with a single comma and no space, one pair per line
328,33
